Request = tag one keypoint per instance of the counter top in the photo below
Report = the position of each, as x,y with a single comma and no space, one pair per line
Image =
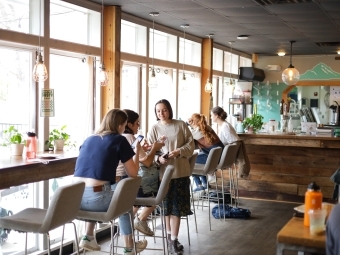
278,139
16,170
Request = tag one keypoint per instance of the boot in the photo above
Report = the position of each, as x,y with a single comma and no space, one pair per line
179,245
173,248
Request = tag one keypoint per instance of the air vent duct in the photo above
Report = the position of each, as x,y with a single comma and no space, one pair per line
328,44
251,74
272,2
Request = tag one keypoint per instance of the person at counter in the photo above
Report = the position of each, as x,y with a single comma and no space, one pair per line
227,132
205,139
96,165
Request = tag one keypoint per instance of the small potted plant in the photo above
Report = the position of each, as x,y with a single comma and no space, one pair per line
253,123
58,138
14,140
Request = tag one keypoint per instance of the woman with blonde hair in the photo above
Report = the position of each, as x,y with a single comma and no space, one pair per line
205,139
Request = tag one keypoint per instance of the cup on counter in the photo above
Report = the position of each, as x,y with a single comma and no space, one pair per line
317,220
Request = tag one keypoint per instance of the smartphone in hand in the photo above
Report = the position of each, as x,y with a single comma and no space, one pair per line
138,140
166,155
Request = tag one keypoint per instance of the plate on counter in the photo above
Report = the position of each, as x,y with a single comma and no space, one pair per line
48,156
327,206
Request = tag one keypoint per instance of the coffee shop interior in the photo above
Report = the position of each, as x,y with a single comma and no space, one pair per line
65,64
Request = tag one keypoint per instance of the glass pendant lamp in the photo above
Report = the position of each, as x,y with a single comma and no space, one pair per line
290,75
103,77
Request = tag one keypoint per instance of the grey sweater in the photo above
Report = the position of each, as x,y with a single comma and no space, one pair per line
178,136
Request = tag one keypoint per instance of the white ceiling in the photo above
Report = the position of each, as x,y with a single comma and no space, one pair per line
270,24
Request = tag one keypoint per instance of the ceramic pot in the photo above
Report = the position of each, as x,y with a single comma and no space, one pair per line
17,149
59,145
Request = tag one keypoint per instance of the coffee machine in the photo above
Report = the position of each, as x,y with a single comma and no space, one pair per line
335,114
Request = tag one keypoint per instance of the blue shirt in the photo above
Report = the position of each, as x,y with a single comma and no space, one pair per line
99,157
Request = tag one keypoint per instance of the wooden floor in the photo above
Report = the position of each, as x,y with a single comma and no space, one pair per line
254,236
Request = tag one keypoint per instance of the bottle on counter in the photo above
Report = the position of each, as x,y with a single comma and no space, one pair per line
31,145
290,125
313,201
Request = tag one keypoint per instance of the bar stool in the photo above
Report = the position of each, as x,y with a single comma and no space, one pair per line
208,168
227,162
63,209
121,202
158,200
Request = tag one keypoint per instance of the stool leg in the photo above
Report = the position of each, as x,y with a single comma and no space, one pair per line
76,236
61,243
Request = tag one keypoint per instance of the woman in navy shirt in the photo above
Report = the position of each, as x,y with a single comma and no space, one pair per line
96,165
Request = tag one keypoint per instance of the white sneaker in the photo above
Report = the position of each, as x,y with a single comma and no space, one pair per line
142,226
211,178
88,244
140,246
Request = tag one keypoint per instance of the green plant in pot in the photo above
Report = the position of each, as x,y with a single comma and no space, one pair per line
14,139
253,123
58,138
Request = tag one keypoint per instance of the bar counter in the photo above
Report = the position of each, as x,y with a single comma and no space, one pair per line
15,170
283,165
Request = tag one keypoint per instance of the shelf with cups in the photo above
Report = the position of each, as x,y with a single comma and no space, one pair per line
238,106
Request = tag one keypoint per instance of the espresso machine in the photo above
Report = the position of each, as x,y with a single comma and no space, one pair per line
335,114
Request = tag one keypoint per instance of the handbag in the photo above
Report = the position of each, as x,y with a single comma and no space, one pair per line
150,178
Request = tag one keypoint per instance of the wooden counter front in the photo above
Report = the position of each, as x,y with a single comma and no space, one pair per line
15,170
283,165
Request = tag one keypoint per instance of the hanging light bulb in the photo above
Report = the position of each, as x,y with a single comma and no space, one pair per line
208,87
184,83
103,77
153,80
39,70
290,75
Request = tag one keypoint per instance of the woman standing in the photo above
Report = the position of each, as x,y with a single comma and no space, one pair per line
206,139
96,165
179,146
227,132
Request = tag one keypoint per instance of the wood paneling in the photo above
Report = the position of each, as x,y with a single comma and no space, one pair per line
281,170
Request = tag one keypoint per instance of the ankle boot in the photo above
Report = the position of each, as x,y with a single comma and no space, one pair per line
179,245
173,248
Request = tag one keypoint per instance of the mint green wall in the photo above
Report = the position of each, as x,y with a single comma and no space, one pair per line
310,68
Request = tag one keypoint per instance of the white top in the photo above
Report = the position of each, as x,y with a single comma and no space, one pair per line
227,133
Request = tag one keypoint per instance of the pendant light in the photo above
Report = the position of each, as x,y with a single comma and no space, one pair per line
39,71
153,80
231,81
208,86
291,75
184,84
103,77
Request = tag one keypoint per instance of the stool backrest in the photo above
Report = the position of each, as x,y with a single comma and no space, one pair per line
64,206
163,188
228,156
212,160
192,161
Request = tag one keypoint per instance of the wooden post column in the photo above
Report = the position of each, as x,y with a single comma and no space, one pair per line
207,58
112,29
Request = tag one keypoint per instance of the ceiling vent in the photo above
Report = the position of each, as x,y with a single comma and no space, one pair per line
271,2
328,44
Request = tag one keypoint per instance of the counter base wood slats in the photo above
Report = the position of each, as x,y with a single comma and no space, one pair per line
283,165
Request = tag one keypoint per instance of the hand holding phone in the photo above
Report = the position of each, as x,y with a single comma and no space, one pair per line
138,140
166,155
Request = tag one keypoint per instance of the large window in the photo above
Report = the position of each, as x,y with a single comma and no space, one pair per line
72,23
231,62
16,99
130,95
192,52
133,38
165,46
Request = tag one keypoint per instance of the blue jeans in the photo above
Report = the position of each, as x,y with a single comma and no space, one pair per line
100,202
200,180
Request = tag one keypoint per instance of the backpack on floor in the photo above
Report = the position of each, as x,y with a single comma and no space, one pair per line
230,212
213,197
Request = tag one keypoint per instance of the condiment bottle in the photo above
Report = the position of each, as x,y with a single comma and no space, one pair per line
31,145
313,201
290,125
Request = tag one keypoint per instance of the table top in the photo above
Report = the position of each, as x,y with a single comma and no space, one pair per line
295,233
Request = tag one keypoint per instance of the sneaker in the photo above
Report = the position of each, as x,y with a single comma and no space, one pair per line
88,244
179,245
211,179
142,226
174,247
199,188
140,246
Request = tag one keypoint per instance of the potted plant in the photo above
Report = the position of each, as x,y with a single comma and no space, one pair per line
253,123
58,138
14,140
